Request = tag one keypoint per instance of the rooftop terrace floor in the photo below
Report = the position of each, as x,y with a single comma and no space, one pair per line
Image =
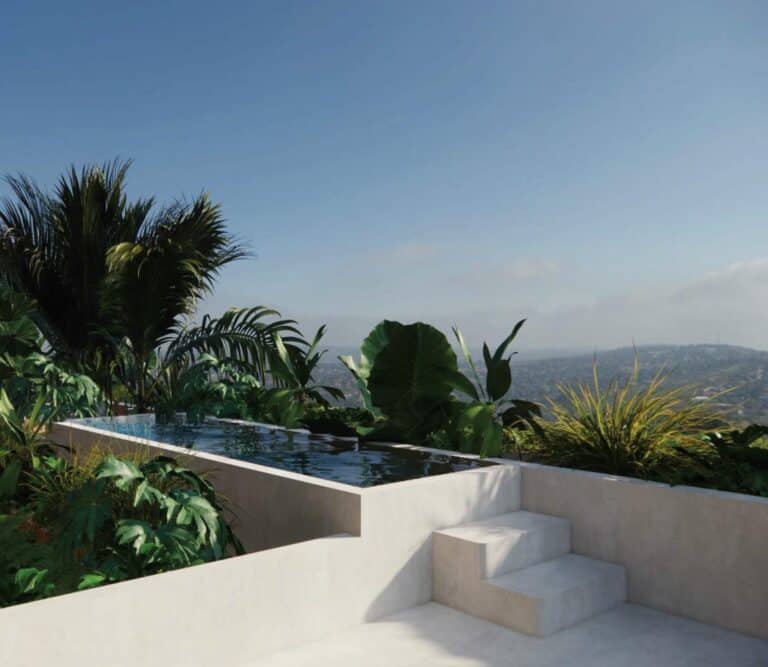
628,636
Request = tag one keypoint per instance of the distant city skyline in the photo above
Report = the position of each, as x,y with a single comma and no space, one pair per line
597,167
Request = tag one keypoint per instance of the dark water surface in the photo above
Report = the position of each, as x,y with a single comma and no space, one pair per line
318,456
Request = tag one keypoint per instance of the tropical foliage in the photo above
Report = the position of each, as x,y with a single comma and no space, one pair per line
479,425
626,429
736,461
292,367
120,519
114,282
407,374
409,377
98,301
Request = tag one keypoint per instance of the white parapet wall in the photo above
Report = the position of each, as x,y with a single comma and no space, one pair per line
235,610
266,506
329,556
688,551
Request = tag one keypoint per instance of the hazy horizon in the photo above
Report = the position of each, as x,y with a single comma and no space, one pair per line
596,167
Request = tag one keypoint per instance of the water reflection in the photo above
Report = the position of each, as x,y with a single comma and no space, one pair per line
317,456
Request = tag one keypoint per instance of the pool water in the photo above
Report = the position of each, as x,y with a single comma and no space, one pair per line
325,457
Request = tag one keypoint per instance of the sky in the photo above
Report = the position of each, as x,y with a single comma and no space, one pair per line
600,168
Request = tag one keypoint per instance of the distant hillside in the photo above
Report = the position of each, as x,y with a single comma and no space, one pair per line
709,369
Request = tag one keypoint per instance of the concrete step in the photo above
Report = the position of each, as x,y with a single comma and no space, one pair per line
545,598
489,548
515,570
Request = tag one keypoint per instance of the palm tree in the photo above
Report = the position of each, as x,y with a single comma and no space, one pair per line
53,249
293,367
243,338
112,280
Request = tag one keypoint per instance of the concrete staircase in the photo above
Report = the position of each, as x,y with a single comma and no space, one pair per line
516,570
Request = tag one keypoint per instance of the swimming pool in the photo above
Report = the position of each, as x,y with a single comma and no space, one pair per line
338,460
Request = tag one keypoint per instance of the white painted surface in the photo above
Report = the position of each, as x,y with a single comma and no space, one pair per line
238,609
268,507
515,570
436,636
543,599
505,543
692,552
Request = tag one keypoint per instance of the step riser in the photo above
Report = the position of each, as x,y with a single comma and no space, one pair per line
546,540
581,603
531,548
516,570
525,613
543,617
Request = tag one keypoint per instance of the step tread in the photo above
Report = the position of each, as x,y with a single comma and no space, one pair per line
504,526
557,576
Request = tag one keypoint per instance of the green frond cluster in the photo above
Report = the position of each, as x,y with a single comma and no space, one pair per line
625,428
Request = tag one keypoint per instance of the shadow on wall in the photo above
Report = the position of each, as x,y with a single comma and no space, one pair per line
399,520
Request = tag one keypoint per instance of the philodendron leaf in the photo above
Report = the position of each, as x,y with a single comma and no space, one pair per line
122,472
146,494
194,510
91,580
134,532
179,545
412,380
30,580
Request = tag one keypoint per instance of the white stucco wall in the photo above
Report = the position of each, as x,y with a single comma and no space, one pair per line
688,551
266,506
692,552
248,606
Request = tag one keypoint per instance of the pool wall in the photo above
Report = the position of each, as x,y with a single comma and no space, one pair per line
268,507
272,599
690,551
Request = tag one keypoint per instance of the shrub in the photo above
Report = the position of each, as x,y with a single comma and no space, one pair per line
737,461
103,519
623,429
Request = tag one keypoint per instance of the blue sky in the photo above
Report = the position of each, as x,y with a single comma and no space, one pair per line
598,167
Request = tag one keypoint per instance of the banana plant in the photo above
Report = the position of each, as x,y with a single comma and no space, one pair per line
479,424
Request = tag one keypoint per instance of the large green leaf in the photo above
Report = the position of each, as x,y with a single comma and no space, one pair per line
498,379
190,509
501,349
122,472
134,532
471,362
413,377
475,429
369,350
